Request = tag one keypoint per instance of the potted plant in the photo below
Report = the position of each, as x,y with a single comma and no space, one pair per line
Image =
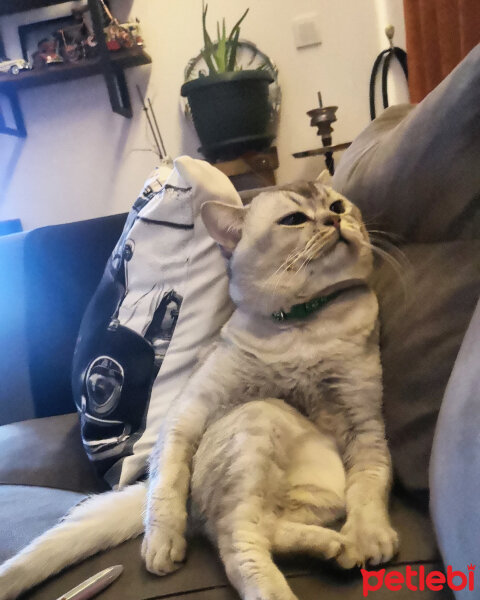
230,106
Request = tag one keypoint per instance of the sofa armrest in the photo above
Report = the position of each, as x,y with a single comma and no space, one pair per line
455,460
16,402
48,278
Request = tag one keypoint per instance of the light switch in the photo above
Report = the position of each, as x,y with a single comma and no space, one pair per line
306,30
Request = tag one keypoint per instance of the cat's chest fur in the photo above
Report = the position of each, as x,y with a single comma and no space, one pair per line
298,362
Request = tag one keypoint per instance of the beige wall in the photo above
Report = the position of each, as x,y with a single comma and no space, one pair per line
81,161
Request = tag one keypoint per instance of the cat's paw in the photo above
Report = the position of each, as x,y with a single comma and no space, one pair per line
370,540
333,545
163,549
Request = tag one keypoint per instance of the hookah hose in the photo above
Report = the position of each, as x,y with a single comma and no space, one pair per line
386,56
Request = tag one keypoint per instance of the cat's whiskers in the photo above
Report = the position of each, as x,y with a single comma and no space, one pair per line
304,264
312,241
282,269
392,250
393,247
395,264
292,259
286,264
387,234
313,248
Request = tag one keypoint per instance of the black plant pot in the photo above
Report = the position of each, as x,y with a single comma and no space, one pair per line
231,113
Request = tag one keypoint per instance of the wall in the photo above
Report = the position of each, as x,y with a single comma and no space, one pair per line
81,161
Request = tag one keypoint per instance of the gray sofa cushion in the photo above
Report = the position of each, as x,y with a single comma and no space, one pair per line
47,452
409,160
29,511
424,316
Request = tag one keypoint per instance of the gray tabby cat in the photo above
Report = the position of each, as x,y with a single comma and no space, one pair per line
279,433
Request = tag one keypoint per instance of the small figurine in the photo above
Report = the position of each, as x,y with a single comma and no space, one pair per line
77,42
70,52
14,66
133,27
47,54
118,36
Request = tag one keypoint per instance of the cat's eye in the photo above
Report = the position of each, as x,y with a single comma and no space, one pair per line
296,218
337,207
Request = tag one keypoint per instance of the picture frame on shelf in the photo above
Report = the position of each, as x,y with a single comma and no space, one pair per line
64,39
31,34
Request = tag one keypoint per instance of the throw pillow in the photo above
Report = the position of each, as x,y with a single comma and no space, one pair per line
163,295
423,316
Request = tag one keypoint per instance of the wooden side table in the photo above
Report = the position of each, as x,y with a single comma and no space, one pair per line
251,170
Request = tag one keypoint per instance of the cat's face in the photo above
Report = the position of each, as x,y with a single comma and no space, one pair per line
290,244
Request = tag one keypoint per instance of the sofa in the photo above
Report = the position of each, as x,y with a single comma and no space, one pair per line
44,470
48,275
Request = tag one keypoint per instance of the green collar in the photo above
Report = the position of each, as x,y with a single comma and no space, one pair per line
304,310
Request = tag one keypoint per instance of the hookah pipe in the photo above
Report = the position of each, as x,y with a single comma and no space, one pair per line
322,118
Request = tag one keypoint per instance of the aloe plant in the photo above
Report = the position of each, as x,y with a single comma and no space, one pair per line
221,56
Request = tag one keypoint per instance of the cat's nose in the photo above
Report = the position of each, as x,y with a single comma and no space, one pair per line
332,221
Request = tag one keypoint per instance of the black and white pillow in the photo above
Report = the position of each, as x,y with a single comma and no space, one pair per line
163,295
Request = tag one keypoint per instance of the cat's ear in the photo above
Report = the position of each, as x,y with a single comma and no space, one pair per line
324,178
224,222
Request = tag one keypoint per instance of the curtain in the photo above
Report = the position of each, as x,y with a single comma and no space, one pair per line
439,34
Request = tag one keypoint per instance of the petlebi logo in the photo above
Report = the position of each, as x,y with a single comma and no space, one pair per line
415,579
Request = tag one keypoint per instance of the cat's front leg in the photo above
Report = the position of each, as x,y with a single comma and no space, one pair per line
164,544
369,536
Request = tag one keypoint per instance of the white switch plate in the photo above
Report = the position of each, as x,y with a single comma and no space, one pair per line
306,30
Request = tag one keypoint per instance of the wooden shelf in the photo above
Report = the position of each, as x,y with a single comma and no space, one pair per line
8,7
123,59
109,64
